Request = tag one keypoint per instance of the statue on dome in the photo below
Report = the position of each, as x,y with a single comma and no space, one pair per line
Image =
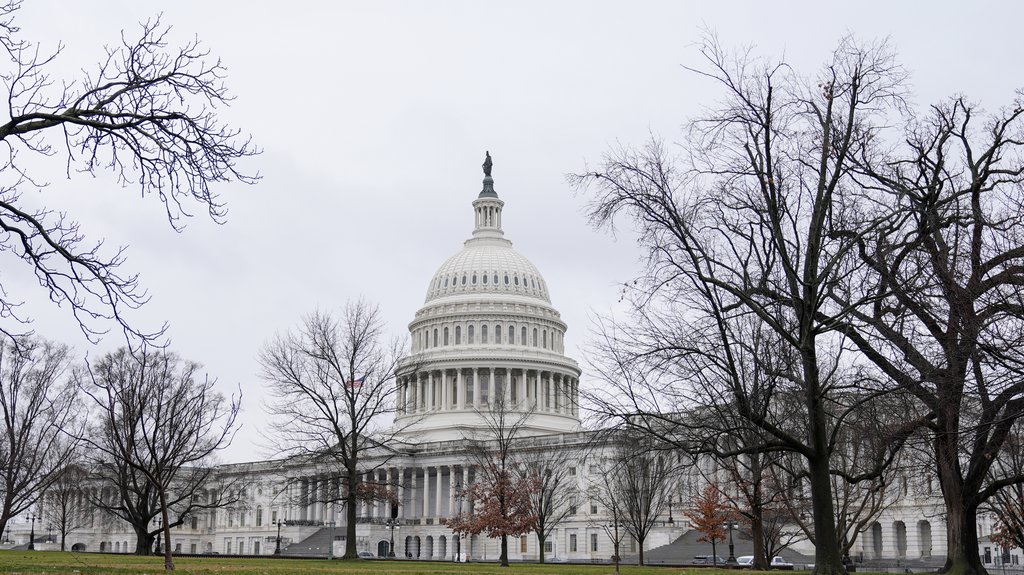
487,164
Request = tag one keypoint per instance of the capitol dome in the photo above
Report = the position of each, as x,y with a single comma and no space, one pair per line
486,338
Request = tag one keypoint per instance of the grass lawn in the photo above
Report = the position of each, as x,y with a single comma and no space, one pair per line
87,563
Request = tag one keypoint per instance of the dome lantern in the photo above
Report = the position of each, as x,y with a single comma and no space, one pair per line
487,207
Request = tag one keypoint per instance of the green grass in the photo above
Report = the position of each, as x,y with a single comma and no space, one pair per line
55,562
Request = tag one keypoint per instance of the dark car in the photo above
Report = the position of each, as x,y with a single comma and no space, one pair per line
367,555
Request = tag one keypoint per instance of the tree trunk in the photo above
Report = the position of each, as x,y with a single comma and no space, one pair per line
168,558
827,558
351,508
714,553
540,541
143,540
63,538
962,557
640,544
504,550
757,534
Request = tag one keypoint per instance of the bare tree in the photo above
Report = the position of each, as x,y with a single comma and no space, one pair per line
39,410
503,500
610,498
332,386
158,425
146,113
947,324
1007,504
753,231
555,489
639,473
65,504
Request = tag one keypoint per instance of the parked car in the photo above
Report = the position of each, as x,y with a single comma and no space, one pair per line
745,560
780,562
707,560
367,555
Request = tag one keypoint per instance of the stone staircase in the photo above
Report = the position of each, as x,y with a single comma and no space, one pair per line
316,545
683,549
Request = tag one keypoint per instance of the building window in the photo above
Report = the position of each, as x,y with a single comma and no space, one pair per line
455,391
572,543
484,391
632,544
255,547
446,336
534,337
485,279
195,522
593,507
516,278
458,334
523,542
483,333
177,548
514,390
549,546
495,279
506,279
259,515
469,335
522,339
273,517
572,506
192,548
511,335
469,389
227,546
572,471
497,334
593,542
435,337
474,279
545,346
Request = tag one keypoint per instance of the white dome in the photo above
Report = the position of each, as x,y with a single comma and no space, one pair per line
488,266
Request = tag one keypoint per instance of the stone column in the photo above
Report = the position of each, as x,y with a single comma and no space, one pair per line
506,391
426,492
451,490
437,500
460,390
400,488
492,393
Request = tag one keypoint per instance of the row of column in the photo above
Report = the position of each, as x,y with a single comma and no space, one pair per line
477,388
422,492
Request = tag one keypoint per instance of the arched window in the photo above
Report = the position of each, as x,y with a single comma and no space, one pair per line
545,346
445,282
463,279
469,335
259,515
506,279
522,339
474,279
446,335
516,278
534,337
435,337
495,279
483,333
497,334
485,279
511,335
458,335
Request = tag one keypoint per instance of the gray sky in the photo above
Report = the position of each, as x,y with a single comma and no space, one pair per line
374,118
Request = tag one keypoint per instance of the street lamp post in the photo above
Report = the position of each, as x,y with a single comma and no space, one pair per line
330,545
392,524
159,532
670,520
614,526
32,533
732,548
277,546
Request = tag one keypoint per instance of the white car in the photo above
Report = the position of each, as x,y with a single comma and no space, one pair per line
780,562
745,560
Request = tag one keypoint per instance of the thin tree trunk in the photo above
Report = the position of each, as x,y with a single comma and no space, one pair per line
757,534
540,541
504,550
640,543
168,558
350,515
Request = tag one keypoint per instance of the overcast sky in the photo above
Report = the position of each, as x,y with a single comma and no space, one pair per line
374,118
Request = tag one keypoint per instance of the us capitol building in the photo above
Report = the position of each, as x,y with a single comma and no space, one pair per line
487,330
